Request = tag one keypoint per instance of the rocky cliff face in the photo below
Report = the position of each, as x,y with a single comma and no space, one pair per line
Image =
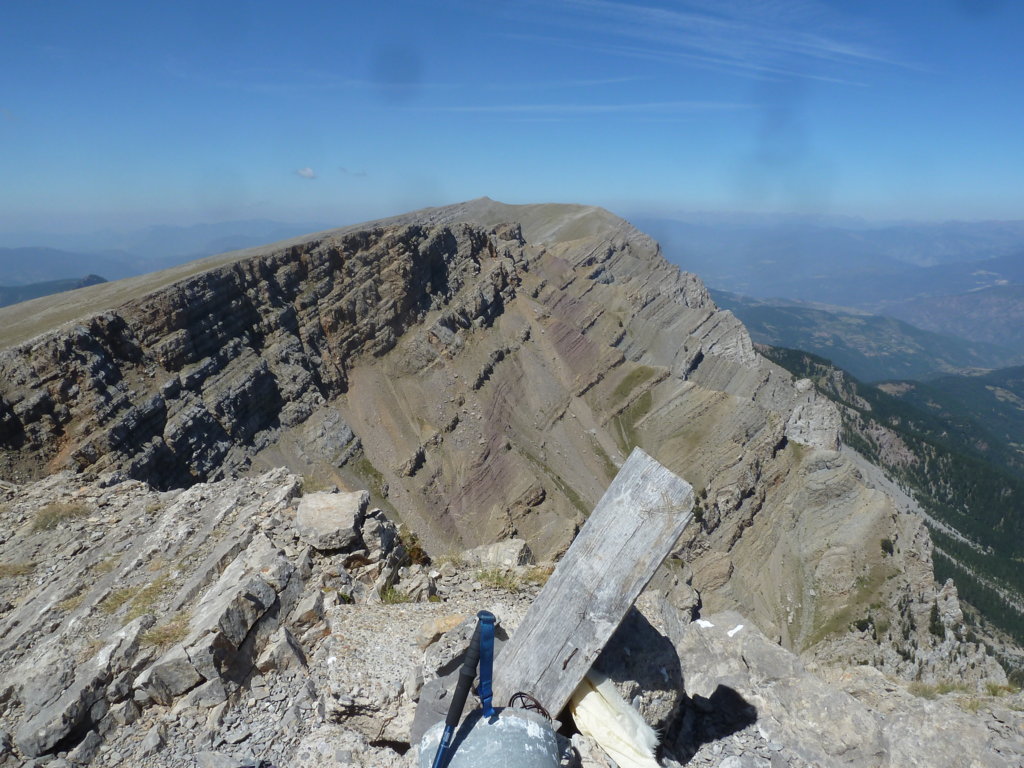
483,370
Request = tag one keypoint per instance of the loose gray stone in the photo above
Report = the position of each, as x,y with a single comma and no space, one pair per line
207,759
744,761
283,652
209,694
309,610
331,521
507,553
153,742
124,712
238,735
85,750
170,677
41,733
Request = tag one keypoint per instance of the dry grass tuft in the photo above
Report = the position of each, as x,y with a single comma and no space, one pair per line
71,602
994,689
147,597
539,574
497,578
112,603
140,599
107,565
167,634
52,515
454,559
931,691
16,569
391,595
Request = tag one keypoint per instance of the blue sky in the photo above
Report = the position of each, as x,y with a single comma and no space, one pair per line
125,114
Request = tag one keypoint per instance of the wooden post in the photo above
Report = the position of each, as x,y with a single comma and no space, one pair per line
630,532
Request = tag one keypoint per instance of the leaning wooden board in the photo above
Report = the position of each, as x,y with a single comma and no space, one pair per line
630,532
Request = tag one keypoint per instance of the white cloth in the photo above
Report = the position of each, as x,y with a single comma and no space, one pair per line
603,715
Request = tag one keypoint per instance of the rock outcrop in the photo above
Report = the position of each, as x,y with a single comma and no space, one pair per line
481,371
126,600
753,703
200,627
484,378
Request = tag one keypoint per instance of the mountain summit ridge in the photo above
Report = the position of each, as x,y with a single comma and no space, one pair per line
484,378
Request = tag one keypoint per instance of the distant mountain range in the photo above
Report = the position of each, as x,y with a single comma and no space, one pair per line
963,279
34,257
852,264
994,315
15,294
35,265
872,348
871,268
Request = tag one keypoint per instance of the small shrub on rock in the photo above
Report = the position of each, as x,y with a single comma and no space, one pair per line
391,595
496,578
413,548
52,515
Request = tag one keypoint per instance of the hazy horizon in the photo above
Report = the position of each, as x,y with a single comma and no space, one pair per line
15,238
124,116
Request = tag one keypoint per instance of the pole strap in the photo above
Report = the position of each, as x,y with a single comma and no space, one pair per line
484,690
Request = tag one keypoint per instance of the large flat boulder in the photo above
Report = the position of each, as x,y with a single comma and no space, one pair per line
331,521
53,722
507,553
171,676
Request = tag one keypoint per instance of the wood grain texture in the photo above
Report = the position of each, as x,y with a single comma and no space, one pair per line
630,532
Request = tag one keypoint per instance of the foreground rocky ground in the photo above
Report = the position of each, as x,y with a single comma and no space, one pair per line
241,620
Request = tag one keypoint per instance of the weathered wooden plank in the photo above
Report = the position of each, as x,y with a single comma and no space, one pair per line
630,532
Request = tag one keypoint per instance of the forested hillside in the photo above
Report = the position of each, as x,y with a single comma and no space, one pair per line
967,479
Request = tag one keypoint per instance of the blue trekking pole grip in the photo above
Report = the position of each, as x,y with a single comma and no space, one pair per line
466,675
484,691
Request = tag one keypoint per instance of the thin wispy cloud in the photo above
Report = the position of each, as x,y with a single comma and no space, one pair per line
652,107
545,85
269,80
287,80
306,173
349,172
717,63
782,39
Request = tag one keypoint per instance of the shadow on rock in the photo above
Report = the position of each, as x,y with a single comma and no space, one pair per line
704,720
644,665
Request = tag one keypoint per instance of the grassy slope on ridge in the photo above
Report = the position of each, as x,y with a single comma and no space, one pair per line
545,222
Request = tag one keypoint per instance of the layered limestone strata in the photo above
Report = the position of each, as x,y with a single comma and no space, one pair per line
483,370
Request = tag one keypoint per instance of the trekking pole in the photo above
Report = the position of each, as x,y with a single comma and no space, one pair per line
466,675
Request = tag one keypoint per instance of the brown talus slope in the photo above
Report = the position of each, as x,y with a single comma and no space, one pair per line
483,369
